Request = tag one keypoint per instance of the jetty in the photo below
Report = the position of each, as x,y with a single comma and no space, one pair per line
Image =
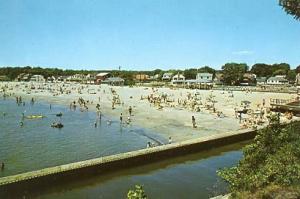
285,105
77,170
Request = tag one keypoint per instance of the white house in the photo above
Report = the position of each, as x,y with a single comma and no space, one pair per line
201,78
178,79
204,77
167,76
76,77
90,78
37,78
277,80
261,80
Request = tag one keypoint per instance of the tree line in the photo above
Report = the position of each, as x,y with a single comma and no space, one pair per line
232,72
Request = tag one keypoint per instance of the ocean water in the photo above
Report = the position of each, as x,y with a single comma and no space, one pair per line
37,145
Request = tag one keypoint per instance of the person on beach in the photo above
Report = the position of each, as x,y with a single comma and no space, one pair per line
240,117
194,122
95,124
128,120
2,166
170,140
148,144
130,110
121,117
50,107
32,101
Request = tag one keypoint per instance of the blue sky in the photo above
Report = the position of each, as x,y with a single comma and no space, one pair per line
146,34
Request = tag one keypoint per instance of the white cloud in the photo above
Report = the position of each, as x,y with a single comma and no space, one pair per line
243,52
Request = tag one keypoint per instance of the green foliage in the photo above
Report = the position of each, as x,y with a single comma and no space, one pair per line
233,73
190,73
137,193
272,159
298,69
266,70
291,7
291,76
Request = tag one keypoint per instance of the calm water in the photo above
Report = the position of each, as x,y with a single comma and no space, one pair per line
192,176
36,145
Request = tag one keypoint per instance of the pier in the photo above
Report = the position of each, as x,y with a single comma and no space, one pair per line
74,171
285,105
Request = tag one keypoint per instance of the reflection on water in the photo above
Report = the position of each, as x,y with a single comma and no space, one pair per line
36,145
190,176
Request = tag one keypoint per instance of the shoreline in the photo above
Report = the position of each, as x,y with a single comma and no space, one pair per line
173,120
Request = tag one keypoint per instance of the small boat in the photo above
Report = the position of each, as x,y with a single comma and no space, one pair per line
57,125
34,116
59,114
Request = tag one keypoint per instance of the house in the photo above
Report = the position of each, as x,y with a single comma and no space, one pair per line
62,79
51,79
248,79
297,79
37,78
23,77
167,76
90,79
201,79
114,81
277,80
154,77
178,79
101,76
141,77
76,78
261,80
4,78
204,78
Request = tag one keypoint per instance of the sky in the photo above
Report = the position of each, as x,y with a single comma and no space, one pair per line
146,34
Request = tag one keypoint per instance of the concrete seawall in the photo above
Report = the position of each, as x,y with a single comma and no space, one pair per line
77,170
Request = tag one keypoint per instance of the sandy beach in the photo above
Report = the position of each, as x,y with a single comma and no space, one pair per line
165,111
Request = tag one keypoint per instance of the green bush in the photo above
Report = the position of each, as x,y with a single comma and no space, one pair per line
137,193
272,159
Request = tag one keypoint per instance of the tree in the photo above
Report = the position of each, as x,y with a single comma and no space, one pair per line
282,66
137,193
190,73
291,7
272,159
207,69
233,73
291,76
298,69
262,70
279,72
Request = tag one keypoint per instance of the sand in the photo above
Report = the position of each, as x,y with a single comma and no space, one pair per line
172,120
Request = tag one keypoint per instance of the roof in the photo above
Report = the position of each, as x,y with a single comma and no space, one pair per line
277,79
178,75
114,79
205,74
261,79
102,74
168,74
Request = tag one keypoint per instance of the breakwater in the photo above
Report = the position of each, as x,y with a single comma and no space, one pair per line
77,170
